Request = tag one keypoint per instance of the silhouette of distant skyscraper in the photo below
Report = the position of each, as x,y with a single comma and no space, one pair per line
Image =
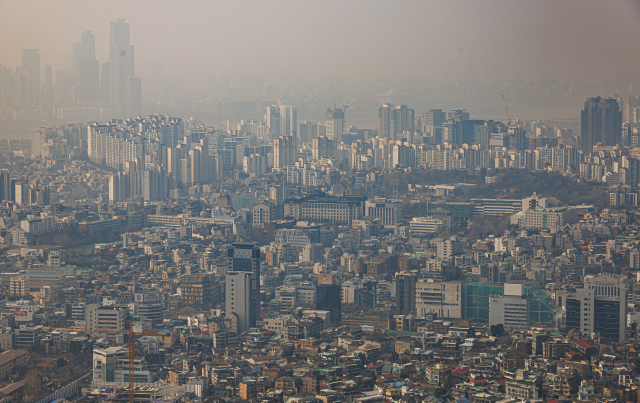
87,68
335,124
105,87
272,118
134,96
600,122
31,62
121,62
394,120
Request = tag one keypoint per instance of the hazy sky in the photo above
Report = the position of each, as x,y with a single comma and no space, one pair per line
351,39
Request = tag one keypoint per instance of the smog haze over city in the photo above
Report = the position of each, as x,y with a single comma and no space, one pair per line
319,201
370,51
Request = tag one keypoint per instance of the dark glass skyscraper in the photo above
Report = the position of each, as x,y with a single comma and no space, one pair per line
405,293
600,122
329,297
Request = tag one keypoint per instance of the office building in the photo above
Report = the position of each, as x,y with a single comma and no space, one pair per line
327,209
272,118
243,284
458,114
307,131
87,68
335,125
510,309
446,249
5,186
553,218
600,122
599,311
134,96
445,299
288,120
117,189
322,147
254,165
239,299
111,365
405,293
386,210
432,118
31,64
197,291
394,120
428,225
121,62
329,297
107,317
147,306
284,151
385,116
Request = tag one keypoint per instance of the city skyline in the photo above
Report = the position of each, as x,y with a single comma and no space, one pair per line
451,68
518,40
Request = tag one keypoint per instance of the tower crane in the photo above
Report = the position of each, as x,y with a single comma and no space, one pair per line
130,333
345,106
507,110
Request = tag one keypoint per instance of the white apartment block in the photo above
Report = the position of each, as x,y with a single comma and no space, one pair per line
442,298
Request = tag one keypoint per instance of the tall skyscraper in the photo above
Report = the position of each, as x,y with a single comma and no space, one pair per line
272,119
5,186
403,120
452,132
115,188
591,312
23,86
284,151
600,122
105,86
385,115
31,62
405,293
329,297
432,118
121,62
458,114
87,68
86,49
243,284
308,130
288,120
394,120
134,96
335,124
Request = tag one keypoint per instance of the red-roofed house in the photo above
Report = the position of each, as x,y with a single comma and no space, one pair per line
260,360
584,347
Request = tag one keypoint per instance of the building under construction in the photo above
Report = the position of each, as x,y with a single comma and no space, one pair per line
477,302
160,394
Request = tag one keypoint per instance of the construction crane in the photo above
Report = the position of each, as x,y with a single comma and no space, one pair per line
130,333
506,110
345,106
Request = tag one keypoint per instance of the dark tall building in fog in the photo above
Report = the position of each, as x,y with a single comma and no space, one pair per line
600,122
87,68
31,62
121,68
